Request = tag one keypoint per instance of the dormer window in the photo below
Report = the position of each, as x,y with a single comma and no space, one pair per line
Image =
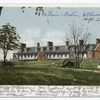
56,48
28,49
44,48
22,49
38,49
51,48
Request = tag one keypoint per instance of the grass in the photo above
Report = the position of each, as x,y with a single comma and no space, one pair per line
90,64
46,73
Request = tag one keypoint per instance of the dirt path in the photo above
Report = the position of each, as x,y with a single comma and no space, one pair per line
95,71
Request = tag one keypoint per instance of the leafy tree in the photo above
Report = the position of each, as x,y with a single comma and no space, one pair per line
9,39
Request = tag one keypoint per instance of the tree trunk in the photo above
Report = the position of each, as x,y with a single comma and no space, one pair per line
76,62
5,55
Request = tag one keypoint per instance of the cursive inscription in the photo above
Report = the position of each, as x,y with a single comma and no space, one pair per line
88,17
49,91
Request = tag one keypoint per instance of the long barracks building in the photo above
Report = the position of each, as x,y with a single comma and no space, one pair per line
54,52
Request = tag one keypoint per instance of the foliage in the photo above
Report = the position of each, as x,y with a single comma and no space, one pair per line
9,39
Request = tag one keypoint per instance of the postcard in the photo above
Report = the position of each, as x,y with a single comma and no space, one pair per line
50,51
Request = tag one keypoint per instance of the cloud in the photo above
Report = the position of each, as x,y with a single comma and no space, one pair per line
33,35
55,36
30,35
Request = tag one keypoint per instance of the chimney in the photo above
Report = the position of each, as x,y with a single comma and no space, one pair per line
50,44
23,45
97,41
81,42
38,44
67,43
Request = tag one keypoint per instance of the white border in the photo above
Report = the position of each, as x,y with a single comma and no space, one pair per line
50,4
51,1
91,90
41,91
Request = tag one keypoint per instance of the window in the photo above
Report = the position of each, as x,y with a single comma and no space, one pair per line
65,54
58,55
56,48
50,55
44,48
38,49
28,55
54,55
21,55
24,55
61,55
18,56
22,50
28,49
51,48
31,55
34,55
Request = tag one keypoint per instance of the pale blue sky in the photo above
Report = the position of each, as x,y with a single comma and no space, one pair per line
33,29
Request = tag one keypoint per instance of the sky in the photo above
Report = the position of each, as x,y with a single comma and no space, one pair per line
53,25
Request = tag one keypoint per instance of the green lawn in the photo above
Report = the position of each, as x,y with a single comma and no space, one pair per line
46,73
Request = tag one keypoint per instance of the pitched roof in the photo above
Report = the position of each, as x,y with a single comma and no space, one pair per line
55,49
92,47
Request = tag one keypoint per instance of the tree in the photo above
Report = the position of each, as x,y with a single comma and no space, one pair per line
79,42
9,39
